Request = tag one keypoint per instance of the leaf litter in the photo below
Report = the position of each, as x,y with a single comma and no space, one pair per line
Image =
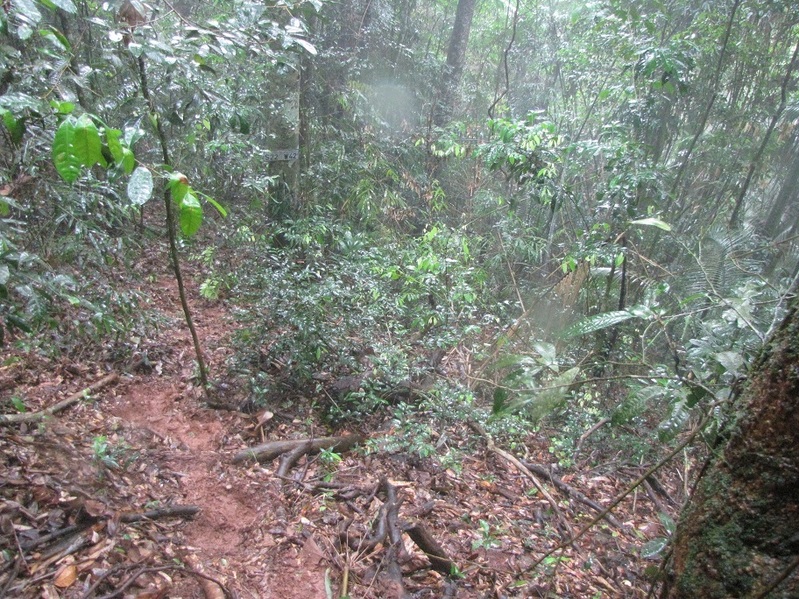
133,493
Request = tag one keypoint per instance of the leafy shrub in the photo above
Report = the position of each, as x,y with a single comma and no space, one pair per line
329,304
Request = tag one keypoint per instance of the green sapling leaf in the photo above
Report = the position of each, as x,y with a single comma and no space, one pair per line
140,186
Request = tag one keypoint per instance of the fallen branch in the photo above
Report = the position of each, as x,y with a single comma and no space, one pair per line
61,405
434,552
588,433
523,469
271,450
571,492
176,511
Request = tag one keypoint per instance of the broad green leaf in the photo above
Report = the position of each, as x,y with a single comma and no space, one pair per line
219,207
112,139
191,214
66,161
548,353
24,33
667,522
15,321
61,41
15,126
548,400
597,323
88,146
140,186
62,107
178,186
65,5
654,547
308,46
26,9
4,274
732,361
19,102
128,160
673,425
652,222
500,398
636,403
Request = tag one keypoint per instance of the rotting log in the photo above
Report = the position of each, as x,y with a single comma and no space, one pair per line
61,405
271,450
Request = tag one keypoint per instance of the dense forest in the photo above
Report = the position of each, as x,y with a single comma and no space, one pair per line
387,298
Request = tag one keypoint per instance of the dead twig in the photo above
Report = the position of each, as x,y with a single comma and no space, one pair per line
174,511
61,405
571,492
523,469
273,449
588,433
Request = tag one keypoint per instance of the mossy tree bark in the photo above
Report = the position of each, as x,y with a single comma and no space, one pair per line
739,535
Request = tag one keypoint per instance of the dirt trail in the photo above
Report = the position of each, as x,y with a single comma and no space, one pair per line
193,446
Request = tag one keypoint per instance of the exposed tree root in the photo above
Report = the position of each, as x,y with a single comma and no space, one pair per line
387,529
434,552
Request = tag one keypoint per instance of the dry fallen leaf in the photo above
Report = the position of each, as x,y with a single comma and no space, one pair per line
265,417
66,576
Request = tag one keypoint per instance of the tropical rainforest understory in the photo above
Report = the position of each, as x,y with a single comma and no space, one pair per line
397,299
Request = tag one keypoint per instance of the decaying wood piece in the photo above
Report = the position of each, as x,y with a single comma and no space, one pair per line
273,449
571,491
61,405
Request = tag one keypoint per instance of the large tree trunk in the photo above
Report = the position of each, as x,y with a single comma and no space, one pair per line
456,59
739,535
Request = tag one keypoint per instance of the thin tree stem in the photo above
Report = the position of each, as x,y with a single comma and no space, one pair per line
170,226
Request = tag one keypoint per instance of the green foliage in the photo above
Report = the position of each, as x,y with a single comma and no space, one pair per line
528,150
487,538
326,301
77,143
111,453
140,186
